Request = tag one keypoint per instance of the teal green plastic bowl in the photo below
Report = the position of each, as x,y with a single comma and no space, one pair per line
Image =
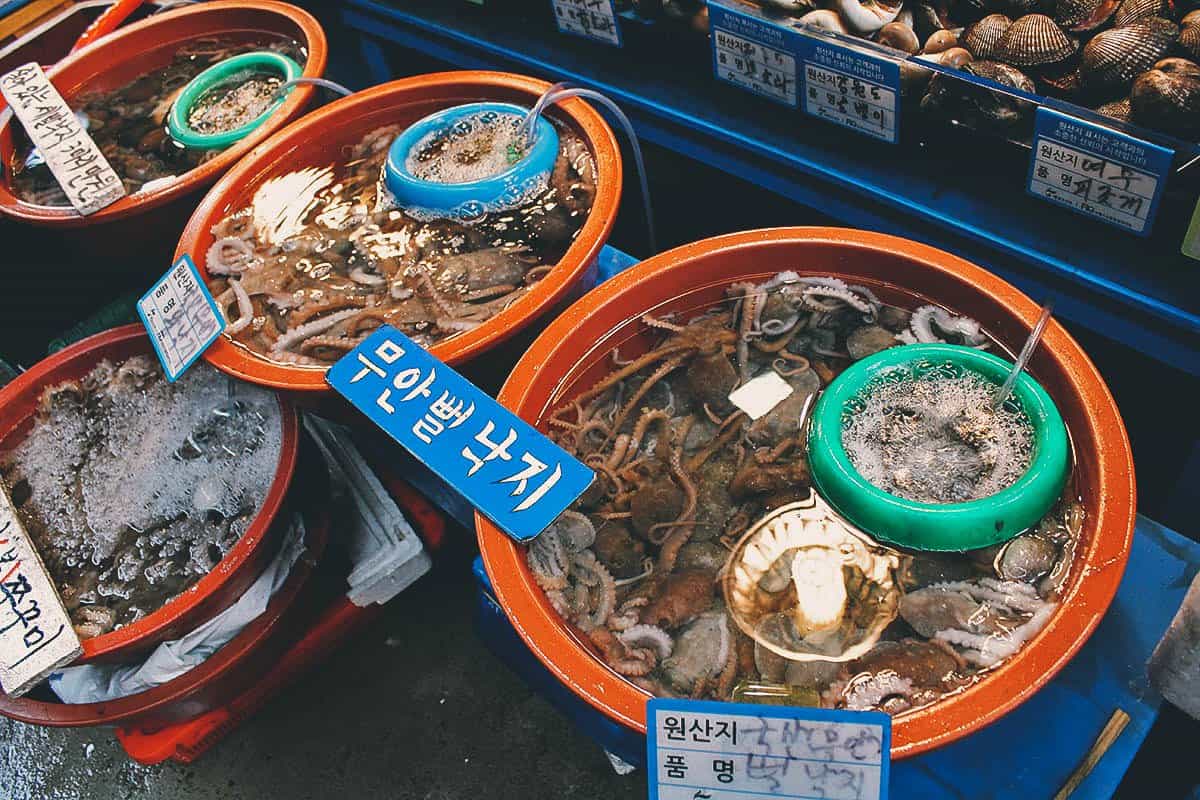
929,526
260,61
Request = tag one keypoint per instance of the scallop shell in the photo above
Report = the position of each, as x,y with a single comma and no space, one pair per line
1117,109
1168,97
1032,40
1189,40
1190,18
982,37
1113,58
1131,11
1084,15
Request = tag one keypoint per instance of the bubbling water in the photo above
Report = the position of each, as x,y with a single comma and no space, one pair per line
935,438
234,103
476,147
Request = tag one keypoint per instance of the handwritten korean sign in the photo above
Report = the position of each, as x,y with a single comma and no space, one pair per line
851,89
36,635
593,19
1098,172
752,53
511,472
723,751
181,316
73,158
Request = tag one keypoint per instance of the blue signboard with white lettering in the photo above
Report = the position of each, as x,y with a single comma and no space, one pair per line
504,467
722,751
181,317
1097,171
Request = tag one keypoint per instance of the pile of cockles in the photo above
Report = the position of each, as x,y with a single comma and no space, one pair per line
701,560
323,255
133,488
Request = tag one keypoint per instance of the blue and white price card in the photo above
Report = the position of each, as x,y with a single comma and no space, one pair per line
850,88
753,53
181,316
511,472
1097,171
592,19
723,751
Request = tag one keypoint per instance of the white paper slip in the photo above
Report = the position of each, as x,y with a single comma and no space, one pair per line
86,177
727,751
36,635
758,396
593,19
181,316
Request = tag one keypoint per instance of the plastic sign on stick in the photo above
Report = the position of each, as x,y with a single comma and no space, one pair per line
511,472
85,176
734,751
181,316
591,19
36,634
1098,172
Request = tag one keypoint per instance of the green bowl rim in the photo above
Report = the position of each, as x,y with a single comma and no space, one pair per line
177,124
947,526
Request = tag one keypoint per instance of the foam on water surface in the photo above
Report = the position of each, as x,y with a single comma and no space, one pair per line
935,438
476,147
134,488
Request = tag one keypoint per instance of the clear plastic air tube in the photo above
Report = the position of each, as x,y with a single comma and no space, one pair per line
322,82
563,91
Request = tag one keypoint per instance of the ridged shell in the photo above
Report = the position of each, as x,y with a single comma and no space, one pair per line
1083,15
1032,40
1168,97
1004,74
982,37
1189,40
1117,109
1113,58
1131,11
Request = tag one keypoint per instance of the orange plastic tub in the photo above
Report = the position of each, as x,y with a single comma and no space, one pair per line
226,582
319,138
573,349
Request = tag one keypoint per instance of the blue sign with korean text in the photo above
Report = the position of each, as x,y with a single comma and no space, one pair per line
591,19
754,53
181,317
1096,171
722,751
511,472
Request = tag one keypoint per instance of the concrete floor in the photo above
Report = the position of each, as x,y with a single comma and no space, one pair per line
408,709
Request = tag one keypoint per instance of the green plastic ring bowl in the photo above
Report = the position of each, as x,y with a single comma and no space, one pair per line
946,526
261,61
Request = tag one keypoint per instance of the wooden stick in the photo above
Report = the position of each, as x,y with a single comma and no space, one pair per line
1112,729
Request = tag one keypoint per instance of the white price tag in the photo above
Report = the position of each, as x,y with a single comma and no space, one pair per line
851,101
723,751
754,66
36,635
85,176
181,316
593,19
758,396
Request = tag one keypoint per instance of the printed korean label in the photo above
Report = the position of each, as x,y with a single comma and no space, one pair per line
1098,172
511,472
593,19
752,53
36,635
181,316
852,89
76,162
723,751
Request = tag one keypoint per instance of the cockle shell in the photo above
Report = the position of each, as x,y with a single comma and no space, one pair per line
1168,97
1189,19
1117,109
982,37
1033,40
1084,15
978,106
1189,40
1113,58
1131,11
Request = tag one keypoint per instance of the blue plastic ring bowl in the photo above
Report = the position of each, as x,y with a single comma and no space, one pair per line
466,200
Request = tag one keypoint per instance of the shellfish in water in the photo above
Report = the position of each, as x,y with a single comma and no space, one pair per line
982,37
1033,40
1168,97
1113,58
804,577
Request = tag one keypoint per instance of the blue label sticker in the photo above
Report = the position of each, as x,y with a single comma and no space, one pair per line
753,53
181,317
1097,171
591,19
511,472
721,751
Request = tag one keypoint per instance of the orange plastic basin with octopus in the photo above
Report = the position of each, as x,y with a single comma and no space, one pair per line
573,350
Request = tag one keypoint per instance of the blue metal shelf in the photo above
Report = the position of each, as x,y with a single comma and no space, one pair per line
957,196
